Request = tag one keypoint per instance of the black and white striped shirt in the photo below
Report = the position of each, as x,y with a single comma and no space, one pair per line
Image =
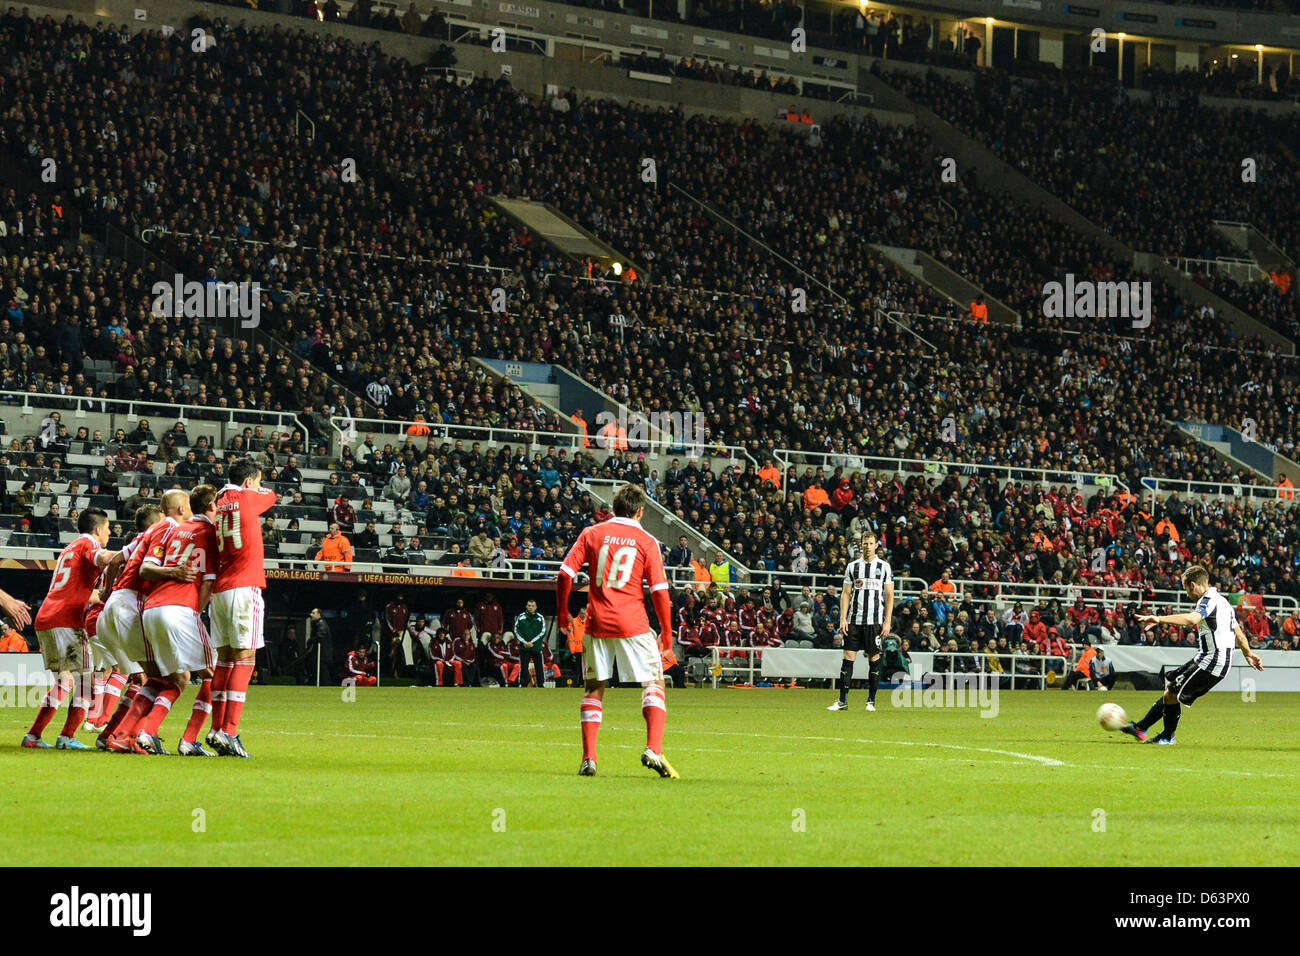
865,581
1215,636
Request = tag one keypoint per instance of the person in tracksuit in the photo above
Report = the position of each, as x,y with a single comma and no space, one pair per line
530,632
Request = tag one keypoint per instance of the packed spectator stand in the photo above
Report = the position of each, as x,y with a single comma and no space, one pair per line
373,301
1164,206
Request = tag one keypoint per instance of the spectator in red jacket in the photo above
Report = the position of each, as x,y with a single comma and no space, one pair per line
842,500
444,656
1056,647
1256,623
1035,631
344,513
1081,615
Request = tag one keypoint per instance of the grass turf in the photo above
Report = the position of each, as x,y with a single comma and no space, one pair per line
489,777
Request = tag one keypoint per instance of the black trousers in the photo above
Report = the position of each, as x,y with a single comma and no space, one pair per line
533,654
1076,677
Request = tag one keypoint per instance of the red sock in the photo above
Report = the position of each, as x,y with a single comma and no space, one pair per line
128,698
106,703
655,712
202,707
220,679
140,707
81,699
241,673
50,705
162,706
589,715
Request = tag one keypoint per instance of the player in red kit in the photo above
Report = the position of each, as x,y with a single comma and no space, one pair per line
60,629
101,670
108,689
119,629
237,608
621,555
176,643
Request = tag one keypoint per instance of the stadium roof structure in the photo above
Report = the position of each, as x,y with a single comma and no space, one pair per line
561,232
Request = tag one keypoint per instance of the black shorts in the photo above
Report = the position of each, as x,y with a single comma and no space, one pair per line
1189,682
863,637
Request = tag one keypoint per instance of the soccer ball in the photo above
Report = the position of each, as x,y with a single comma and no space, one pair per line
1111,716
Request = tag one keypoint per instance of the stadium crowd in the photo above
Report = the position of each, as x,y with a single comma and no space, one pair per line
378,301
1164,206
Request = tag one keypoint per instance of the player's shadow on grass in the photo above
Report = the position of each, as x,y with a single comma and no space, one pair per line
1200,747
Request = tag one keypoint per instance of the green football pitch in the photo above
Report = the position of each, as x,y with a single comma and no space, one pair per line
489,777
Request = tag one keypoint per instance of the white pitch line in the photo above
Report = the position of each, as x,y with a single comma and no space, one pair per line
608,746
678,731
1035,758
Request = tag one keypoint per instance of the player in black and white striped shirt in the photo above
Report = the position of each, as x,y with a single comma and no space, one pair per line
866,612
1217,631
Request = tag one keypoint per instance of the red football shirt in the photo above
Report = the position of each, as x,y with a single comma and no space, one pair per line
74,578
621,555
239,535
193,542
90,621
151,539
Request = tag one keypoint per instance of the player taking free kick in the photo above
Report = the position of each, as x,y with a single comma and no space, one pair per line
237,606
620,554
1217,633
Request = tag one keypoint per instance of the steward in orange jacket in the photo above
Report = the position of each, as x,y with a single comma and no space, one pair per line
336,552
